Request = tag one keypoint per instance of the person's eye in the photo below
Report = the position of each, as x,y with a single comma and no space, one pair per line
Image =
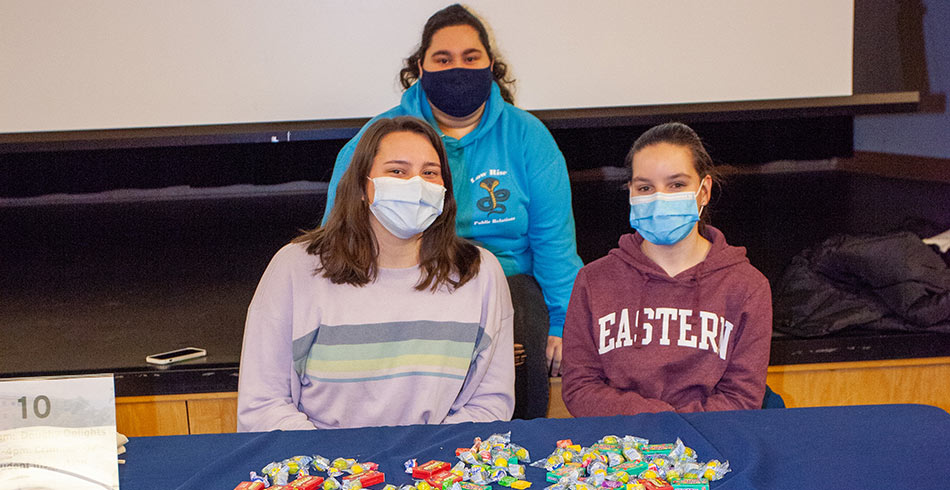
396,171
471,59
431,173
677,185
643,189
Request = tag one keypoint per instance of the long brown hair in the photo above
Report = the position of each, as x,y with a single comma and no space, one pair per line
457,15
346,244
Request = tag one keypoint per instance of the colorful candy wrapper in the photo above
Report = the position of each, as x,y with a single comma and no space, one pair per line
319,463
520,453
634,441
410,464
277,473
597,467
520,485
613,459
691,484
352,484
516,470
715,470
632,453
507,481
331,484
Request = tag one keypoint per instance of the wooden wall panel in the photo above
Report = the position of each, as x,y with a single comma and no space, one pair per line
925,381
213,415
150,416
861,383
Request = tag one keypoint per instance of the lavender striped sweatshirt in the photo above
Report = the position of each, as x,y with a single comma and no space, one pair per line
323,355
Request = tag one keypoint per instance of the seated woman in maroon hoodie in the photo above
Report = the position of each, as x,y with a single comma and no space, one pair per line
674,318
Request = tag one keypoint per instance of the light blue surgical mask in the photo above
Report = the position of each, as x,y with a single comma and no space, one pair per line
406,207
664,218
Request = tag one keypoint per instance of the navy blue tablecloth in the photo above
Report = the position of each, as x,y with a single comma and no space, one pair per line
877,446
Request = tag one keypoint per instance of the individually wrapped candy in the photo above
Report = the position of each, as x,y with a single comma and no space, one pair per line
496,474
597,467
299,465
479,476
596,480
715,470
331,484
613,459
610,440
501,438
688,469
407,487
507,481
469,457
254,477
319,463
520,452
352,484
632,453
634,441
277,473
343,463
423,485
516,470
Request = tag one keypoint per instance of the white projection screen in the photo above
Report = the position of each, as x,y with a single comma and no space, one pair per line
111,64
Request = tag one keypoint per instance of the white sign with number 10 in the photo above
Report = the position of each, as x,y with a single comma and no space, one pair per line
58,433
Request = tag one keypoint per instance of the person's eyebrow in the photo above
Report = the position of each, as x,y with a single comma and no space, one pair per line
400,162
441,52
678,176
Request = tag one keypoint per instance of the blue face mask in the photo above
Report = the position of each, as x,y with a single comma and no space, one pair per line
406,207
664,219
457,92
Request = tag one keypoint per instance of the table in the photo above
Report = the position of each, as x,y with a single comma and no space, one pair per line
875,446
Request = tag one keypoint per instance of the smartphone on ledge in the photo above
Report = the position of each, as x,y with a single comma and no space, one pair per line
176,355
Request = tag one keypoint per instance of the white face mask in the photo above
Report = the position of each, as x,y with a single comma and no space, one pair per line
406,207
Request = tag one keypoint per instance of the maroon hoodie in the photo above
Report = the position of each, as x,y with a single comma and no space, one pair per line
637,340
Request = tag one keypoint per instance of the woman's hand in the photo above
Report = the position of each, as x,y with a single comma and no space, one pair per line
520,355
553,354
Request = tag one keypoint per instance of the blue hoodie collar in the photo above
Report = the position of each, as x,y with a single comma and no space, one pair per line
415,103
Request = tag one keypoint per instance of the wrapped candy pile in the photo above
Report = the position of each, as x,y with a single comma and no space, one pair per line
494,460
628,463
298,473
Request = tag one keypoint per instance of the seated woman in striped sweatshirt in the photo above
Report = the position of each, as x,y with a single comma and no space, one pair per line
383,316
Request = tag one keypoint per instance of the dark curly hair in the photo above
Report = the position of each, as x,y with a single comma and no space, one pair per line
456,15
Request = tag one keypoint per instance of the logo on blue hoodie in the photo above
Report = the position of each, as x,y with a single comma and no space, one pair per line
493,202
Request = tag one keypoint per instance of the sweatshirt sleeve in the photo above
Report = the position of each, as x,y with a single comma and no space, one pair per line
742,386
551,233
584,383
488,392
266,379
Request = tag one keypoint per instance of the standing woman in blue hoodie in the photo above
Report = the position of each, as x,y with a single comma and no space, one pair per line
510,182
675,319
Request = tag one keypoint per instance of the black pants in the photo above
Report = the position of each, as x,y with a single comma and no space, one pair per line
531,330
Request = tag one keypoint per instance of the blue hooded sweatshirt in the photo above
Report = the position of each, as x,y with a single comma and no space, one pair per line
513,193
